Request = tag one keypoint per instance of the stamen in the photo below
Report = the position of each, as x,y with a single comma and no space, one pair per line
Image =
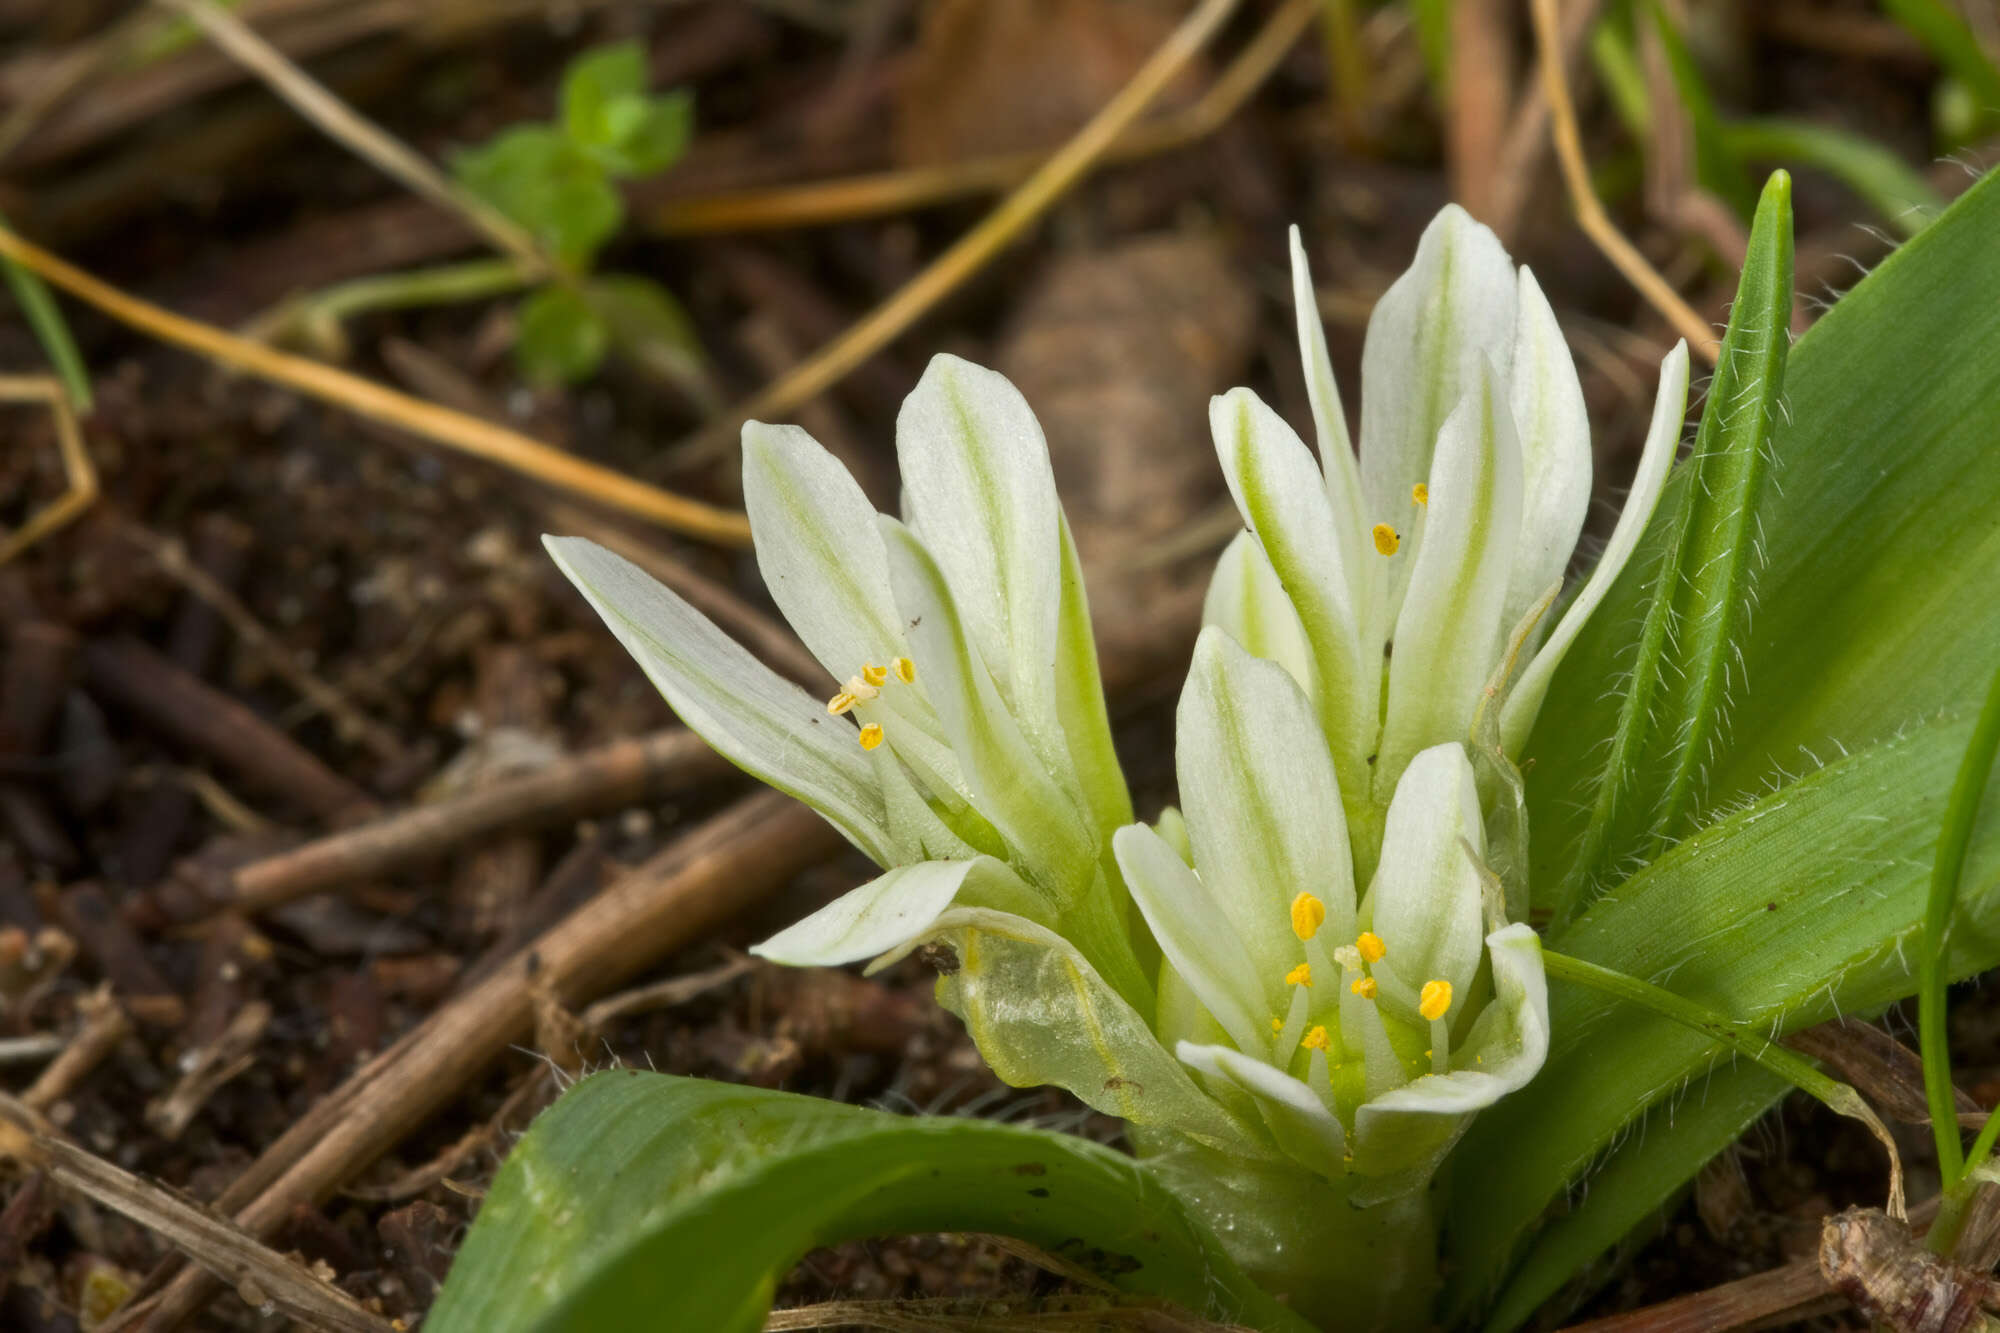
871,735
841,703
1370,946
1420,493
1434,1000
1348,957
1277,1026
905,669
1308,915
1386,540
1316,1038
1302,975
1364,987
875,675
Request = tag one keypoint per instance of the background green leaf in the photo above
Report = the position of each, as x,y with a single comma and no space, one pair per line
562,338
645,1201
537,177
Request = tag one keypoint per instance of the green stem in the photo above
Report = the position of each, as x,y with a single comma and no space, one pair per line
1954,838
474,280
1794,1068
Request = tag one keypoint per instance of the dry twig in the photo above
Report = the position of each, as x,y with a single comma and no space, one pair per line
1590,214
79,474
377,402
976,248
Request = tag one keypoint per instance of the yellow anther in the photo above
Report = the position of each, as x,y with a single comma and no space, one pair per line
1316,1039
1302,975
1386,540
840,703
874,675
871,736
1371,946
1308,915
1277,1026
1434,999
1420,493
1363,986
905,669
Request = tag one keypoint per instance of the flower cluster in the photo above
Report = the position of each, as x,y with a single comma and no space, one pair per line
1311,969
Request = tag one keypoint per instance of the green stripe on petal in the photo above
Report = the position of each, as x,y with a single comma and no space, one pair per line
980,493
1448,633
1010,785
1262,805
757,720
1309,1133
1367,584
1554,433
1198,937
1453,309
1425,899
1663,438
1283,499
1246,602
894,910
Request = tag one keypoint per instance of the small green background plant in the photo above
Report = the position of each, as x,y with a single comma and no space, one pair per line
560,181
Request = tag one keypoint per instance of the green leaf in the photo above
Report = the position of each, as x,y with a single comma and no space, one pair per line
648,325
595,82
1874,613
1891,186
644,1201
562,339
1804,904
1874,607
537,177
607,113
44,316
1953,44
1670,719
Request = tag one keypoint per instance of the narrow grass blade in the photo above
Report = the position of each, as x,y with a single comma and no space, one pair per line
644,1201
1893,188
38,307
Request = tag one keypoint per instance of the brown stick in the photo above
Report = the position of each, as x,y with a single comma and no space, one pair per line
104,1026
617,774
257,1272
730,862
135,676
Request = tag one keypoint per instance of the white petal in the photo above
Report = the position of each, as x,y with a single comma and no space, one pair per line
976,473
1009,782
754,718
1195,934
890,911
1663,438
1430,334
1554,431
1086,722
818,549
1447,636
1304,1128
1425,898
1403,1135
1282,498
1246,601
1367,583
1262,805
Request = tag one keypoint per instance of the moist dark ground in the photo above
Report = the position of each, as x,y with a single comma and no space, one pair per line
411,579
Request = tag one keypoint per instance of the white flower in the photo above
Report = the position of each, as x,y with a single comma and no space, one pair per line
1361,1032
1397,587
965,746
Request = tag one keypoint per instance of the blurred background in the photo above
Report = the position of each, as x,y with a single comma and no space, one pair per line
243,608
